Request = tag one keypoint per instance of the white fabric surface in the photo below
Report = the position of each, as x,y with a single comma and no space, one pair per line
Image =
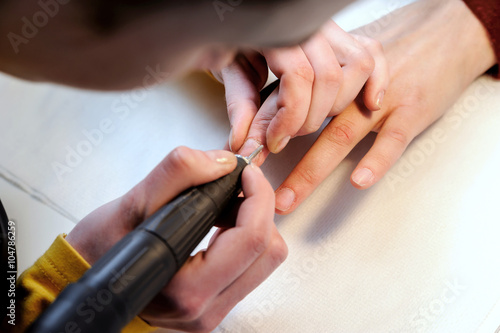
419,252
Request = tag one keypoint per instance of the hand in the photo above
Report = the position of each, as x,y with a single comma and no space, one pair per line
435,50
212,282
319,79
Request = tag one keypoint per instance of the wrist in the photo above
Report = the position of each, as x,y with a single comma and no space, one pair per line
447,30
477,46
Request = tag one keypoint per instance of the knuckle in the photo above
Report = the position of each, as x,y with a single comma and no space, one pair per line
398,135
416,102
304,72
290,117
363,59
371,44
260,124
336,77
366,62
181,159
376,45
131,209
190,308
332,78
257,242
383,161
341,134
278,251
309,176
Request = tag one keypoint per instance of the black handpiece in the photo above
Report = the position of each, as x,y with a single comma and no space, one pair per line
131,273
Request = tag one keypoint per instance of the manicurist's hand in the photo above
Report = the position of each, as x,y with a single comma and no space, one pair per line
435,49
212,282
319,78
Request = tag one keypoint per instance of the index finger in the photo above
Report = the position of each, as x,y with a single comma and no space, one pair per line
338,138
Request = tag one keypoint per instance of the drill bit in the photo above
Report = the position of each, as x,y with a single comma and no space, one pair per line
250,157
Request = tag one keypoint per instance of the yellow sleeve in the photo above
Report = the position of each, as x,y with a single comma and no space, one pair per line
40,284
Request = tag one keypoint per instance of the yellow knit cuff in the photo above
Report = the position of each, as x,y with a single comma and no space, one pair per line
62,264
138,325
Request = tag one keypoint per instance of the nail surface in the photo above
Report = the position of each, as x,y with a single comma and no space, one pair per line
380,98
282,144
363,177
249,147
284,199
231,140
222,156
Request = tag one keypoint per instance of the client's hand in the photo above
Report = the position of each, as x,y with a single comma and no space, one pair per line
212,282
319,79
435,50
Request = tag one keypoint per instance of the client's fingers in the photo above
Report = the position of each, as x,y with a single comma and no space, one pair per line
328,78
395,134
376,86
296,74
338,138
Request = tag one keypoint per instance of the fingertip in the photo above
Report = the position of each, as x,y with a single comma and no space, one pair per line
222,158
257,190
285,200
253,179
362,178
255,168
380,99
373,99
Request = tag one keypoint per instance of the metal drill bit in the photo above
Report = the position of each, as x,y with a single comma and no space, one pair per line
255,153
250,157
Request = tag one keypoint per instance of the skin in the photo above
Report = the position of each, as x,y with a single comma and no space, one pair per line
319,78
72,49
420,91
213,281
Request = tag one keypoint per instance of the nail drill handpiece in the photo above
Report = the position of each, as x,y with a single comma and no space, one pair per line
133,272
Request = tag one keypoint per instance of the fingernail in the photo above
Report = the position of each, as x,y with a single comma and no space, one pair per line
282,144
380,98
249,147
231,139
284,199
363,177
222,157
